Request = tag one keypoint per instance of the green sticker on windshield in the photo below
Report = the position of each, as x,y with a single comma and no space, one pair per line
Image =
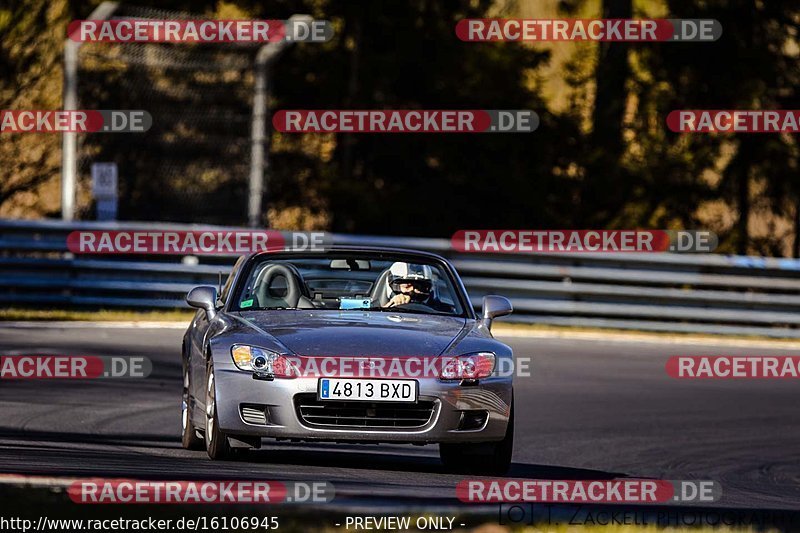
246,303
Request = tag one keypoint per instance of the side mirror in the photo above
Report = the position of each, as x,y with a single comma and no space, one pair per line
204,297
493,307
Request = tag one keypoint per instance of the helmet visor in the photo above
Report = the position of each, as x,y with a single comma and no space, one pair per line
412,285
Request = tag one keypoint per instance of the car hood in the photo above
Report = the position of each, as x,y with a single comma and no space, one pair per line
356,333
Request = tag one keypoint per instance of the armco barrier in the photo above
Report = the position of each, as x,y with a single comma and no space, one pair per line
663,292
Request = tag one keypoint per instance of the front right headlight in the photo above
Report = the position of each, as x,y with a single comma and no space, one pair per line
264,362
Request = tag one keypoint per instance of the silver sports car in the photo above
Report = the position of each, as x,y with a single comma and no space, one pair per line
366,345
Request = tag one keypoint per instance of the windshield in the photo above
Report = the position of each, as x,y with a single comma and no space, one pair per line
354,282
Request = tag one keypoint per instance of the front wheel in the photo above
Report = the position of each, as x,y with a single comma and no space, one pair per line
189,438
486,458
217,445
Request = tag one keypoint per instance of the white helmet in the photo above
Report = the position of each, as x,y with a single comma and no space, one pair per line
420,276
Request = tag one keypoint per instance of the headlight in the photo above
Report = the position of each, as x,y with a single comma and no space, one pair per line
468,366
262,362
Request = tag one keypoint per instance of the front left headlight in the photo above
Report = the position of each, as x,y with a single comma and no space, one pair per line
476,365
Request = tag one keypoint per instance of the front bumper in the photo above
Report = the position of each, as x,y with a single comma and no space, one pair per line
450,401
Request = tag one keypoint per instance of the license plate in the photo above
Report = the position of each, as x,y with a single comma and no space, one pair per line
368,390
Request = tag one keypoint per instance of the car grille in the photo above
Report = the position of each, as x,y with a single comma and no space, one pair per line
387,415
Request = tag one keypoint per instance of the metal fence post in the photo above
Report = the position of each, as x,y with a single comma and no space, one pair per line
259,154
69,140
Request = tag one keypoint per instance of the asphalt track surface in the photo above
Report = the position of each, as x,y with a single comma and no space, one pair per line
593,409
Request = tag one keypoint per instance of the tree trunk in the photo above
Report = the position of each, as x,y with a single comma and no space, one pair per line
611,75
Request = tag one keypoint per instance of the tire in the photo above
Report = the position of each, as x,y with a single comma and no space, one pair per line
217,446
189,438
485,458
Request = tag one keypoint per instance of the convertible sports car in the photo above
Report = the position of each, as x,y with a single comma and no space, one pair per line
247,353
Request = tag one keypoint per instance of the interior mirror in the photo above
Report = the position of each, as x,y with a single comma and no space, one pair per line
204,297
349,264
493,307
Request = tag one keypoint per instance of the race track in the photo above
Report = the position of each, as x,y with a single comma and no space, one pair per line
594,409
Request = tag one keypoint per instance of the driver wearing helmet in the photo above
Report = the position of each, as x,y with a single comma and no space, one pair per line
413,284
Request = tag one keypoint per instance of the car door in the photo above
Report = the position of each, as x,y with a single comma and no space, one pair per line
199,341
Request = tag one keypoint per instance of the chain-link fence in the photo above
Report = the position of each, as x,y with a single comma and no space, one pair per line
193,164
